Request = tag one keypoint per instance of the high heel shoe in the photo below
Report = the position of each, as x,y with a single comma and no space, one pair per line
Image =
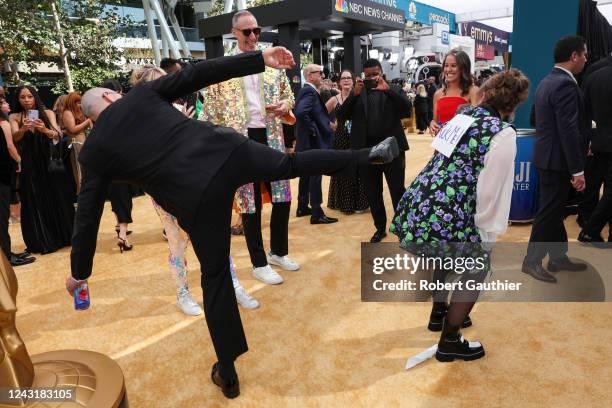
123,245
126,233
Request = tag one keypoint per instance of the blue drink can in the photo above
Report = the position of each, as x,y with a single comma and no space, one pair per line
81,297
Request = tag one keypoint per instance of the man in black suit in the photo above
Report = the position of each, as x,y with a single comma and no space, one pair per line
598,91
376,112
191,169
313,131
431,89
559,155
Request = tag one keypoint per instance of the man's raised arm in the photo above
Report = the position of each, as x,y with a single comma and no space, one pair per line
195,77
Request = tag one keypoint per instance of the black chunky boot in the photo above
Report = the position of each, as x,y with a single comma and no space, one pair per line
438,313
453,346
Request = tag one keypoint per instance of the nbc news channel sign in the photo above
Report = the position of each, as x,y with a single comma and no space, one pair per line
383,12
427,15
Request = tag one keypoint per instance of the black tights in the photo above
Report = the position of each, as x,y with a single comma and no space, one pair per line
461,302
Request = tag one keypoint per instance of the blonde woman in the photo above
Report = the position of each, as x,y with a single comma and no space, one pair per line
421,108
177,238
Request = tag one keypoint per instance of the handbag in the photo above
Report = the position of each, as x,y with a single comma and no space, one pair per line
56,163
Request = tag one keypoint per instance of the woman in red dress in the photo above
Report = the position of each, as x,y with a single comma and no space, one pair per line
457,89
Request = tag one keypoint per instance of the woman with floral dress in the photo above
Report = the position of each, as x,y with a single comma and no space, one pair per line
462,201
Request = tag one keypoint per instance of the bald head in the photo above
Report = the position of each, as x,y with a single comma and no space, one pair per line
313,73
95,100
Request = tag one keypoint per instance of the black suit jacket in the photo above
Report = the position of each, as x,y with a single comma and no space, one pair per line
598,98
312,130
142,139
561,124
397,106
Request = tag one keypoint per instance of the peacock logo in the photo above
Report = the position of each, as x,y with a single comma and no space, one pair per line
342,6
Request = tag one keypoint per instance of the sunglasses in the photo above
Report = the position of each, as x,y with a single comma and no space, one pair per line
247,31
316,72
349,78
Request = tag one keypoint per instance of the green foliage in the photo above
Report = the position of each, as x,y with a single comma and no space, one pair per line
219,5
28,34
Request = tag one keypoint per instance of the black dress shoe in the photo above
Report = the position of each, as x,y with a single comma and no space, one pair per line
453,346
564,264
230,387
378,236
587,239
538,272
16,261
324,219
23,254
384,152
303,213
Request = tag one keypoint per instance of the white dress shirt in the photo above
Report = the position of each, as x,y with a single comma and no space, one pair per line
494,187
252,89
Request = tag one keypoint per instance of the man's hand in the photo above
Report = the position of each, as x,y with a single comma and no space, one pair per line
278,57
278,109
578,183
358,86
72,284
382,85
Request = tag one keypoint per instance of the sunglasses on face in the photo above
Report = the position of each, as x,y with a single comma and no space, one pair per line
348,78
247,31
316,72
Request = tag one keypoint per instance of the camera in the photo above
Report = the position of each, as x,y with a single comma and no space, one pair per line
370,84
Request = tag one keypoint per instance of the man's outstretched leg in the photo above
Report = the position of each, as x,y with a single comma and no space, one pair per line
253,162
211,236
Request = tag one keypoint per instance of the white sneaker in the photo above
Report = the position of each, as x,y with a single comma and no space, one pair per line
189,306
267,275
244,299
283,261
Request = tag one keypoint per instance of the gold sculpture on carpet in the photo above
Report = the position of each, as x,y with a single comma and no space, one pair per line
94,380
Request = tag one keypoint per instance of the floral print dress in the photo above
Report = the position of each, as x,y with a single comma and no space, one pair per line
440,204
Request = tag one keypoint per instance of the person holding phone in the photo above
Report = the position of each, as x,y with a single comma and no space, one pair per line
376,109
47,210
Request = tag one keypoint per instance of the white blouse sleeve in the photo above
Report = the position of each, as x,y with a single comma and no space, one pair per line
494,188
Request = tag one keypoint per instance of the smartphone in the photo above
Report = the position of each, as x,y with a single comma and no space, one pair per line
370,84
33,115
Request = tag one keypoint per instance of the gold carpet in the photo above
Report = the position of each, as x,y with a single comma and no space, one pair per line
313,343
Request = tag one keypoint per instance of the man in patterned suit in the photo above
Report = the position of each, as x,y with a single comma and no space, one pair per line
253,106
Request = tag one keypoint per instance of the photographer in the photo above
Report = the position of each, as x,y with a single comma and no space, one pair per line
376,110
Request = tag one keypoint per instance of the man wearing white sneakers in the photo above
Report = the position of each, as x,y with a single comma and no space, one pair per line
253,106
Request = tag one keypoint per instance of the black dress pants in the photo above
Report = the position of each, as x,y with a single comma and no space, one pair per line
210,232
310,190
372,177
279,220
121,202
5,213
603,212
548,234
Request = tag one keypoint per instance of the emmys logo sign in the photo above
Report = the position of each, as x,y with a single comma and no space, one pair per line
342,6
412,10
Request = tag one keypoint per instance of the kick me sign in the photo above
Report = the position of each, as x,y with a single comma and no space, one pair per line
447,138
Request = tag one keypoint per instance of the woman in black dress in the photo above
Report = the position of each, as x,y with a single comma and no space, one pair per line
346,194
47,211
421,108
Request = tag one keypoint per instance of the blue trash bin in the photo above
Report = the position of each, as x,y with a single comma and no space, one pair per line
524,204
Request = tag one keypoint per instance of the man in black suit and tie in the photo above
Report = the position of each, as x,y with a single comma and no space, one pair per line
191,169
313,131
598,94
560,153
376,112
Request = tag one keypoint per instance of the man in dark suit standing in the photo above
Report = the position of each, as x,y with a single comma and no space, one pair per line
559,155
191,169
598,93
313,131
376,112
